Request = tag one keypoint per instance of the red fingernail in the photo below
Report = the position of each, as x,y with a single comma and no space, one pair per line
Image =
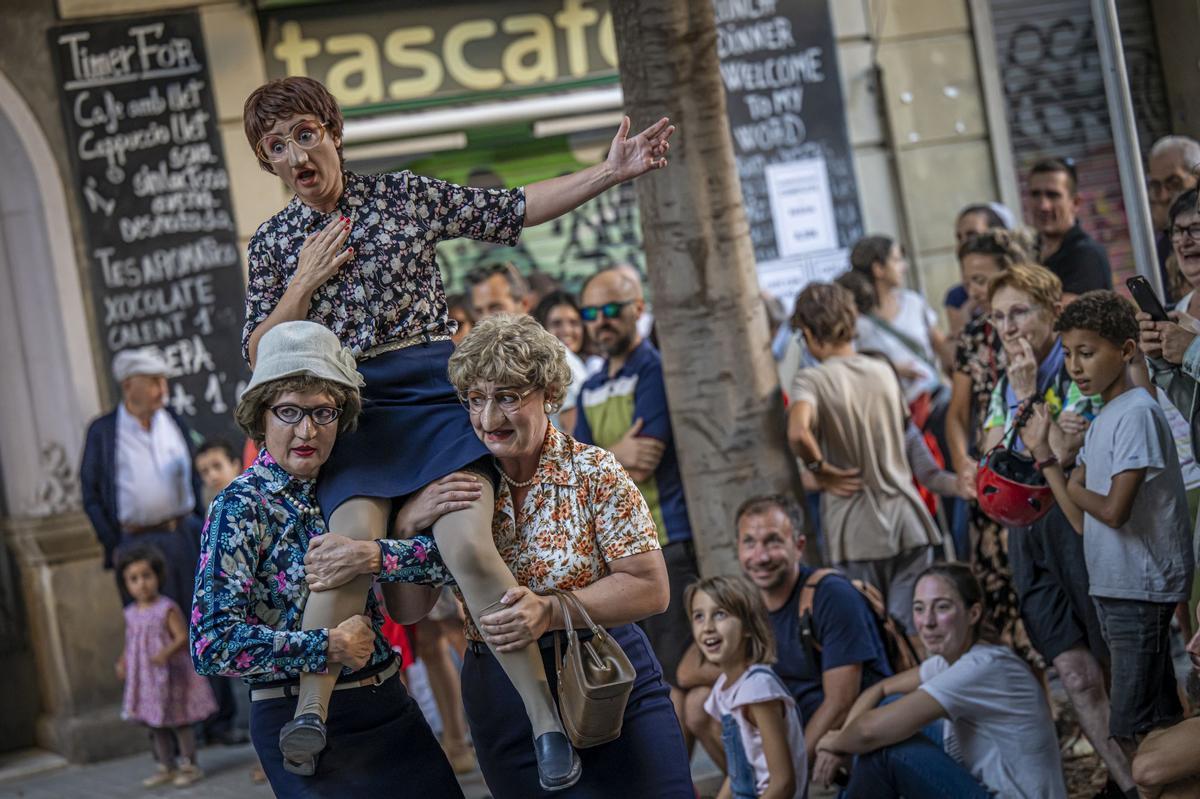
351,251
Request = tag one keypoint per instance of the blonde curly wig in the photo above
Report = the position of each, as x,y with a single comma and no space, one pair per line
511,350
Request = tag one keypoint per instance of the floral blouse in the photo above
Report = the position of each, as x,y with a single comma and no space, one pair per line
581,513
391,288
250,590
980,356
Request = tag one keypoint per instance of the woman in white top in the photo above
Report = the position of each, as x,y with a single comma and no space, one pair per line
901,325
996,737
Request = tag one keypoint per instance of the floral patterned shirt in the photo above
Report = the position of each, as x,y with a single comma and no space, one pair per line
391,288
980,356
250,590
581,513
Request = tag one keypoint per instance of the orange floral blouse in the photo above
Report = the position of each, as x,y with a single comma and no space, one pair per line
582,512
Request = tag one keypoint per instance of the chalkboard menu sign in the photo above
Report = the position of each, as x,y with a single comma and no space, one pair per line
154,195
787,118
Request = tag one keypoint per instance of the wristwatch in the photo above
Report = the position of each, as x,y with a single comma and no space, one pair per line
815,466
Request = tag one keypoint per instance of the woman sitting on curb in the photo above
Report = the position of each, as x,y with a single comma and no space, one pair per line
998,738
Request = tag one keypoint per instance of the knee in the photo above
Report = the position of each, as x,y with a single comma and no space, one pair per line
1080,674
361,519
1148,770
465,541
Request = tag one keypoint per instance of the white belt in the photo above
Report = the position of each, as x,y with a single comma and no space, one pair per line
282,691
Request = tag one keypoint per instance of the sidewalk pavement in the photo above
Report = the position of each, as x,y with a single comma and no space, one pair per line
227,776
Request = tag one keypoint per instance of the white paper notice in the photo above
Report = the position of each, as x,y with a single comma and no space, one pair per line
802,207
787,277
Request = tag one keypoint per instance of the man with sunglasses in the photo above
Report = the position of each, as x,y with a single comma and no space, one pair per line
623,408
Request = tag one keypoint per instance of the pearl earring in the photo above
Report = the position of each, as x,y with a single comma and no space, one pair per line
548,407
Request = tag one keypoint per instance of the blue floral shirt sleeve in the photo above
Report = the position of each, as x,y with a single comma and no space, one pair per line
248,610
413,560
228,634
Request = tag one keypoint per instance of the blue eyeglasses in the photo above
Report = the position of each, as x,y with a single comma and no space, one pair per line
611,310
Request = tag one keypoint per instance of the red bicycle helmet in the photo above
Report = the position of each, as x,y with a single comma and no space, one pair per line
1010,488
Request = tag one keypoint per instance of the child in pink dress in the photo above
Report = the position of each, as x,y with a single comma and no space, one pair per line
162,690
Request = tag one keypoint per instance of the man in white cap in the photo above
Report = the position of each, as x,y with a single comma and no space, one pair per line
137,478
139,488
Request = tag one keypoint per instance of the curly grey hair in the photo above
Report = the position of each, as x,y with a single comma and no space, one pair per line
511,350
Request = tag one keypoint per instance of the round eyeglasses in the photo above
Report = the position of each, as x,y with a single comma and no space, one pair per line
509,400
294,414
306,135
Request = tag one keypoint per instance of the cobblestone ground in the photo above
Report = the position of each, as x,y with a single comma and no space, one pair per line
227,776
226,768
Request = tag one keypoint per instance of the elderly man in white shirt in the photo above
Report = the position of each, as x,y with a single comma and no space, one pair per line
137,478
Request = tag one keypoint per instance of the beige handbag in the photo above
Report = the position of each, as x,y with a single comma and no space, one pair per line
595,679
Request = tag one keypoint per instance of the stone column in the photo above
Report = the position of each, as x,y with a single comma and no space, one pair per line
76,629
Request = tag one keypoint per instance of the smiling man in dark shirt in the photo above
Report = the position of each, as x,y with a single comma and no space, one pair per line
852,656
1063,246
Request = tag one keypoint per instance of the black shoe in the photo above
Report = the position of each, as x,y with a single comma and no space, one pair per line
301,740
557,763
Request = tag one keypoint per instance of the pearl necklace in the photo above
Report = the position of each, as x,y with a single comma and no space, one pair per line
515,483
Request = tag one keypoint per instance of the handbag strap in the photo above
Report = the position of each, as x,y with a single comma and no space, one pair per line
905,340
572,640
568,601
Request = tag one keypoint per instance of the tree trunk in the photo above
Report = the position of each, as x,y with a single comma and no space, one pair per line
721,380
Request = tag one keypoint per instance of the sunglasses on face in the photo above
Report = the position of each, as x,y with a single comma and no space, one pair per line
306,135
611,310
294,414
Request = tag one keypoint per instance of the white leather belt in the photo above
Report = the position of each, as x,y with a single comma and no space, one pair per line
282,691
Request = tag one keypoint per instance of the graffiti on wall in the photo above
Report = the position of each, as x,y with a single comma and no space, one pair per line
1054,92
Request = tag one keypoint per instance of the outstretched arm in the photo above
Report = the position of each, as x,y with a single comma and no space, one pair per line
869,728
627,159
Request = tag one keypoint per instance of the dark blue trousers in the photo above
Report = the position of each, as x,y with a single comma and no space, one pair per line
648,760
379,745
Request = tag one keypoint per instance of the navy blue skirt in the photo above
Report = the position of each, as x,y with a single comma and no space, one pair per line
413,430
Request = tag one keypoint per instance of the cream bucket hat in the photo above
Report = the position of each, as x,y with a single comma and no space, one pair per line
303,348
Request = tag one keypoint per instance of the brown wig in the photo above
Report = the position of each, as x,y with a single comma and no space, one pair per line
287,97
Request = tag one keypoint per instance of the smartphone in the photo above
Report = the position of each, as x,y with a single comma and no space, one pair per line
1146,299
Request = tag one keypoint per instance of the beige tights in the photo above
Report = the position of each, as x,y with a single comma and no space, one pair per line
464,539
360,518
